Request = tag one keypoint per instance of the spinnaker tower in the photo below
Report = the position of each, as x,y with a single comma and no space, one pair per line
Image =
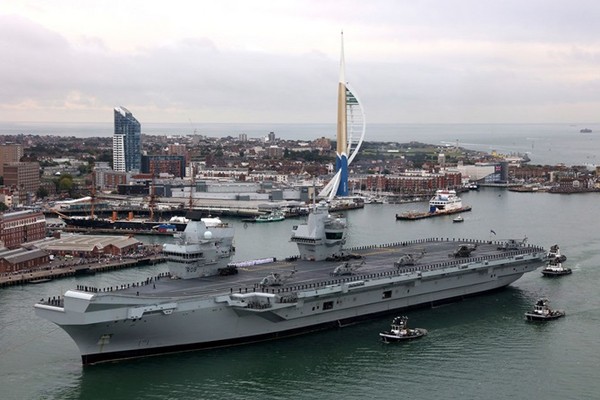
351,129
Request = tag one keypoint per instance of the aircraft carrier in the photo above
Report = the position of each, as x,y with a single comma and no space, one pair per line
209,302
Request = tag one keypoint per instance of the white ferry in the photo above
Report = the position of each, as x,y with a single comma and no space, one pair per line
445,201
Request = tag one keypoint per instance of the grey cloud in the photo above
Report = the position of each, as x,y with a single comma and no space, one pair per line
195,78
507,20
192,75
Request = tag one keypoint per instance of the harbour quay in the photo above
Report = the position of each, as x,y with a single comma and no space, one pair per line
74,255
47,274
210,207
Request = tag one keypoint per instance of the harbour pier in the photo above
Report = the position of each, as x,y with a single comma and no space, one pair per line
47,273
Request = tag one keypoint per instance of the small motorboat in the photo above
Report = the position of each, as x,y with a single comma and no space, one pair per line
273,216
542,312
400,331
458,219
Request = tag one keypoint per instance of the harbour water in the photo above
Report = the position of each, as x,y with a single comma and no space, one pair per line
479,347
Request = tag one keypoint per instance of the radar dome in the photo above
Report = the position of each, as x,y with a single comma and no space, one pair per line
208,235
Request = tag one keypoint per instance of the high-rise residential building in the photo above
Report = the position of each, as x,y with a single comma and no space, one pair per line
10,153
127,142
119,153
23,177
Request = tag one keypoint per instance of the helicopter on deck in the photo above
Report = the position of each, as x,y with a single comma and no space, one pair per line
276,278
512,244
464,250
409,259
347,268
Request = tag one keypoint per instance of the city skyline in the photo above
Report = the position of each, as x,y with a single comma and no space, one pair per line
460,61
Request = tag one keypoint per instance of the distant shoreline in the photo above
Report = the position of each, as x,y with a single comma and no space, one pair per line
546,144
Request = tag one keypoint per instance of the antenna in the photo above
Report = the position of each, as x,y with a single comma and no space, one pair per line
342,62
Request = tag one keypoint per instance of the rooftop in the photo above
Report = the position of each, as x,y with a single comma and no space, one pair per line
74,243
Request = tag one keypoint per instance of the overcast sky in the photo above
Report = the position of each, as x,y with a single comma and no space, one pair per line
409,61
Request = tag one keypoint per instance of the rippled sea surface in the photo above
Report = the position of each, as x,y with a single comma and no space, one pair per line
479,347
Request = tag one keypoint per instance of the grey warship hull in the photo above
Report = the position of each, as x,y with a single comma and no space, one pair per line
179,315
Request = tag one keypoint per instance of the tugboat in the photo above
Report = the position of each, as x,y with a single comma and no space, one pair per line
554,253
555,268
542,312
399,331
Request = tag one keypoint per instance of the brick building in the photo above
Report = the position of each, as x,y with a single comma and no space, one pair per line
22,260
414,182
21,227
160,164
109,179
91,246
179,150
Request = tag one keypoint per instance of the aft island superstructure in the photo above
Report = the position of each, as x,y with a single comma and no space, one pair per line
325,286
